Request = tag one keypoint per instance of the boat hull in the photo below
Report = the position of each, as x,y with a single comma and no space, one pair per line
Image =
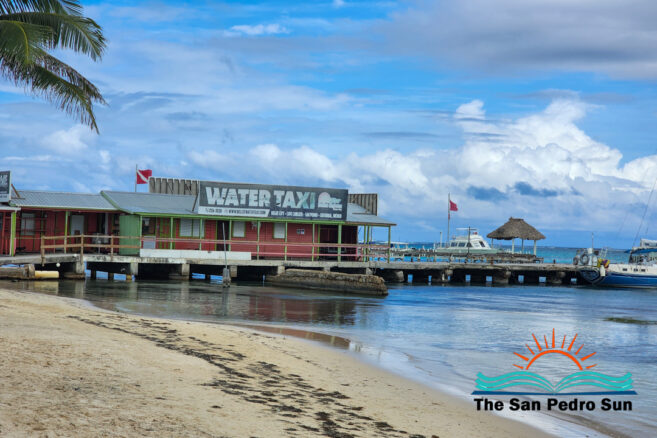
619,279
614,279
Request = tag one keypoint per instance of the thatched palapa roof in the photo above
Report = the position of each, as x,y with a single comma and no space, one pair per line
516,228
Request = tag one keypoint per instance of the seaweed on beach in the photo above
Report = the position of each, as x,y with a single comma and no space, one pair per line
623,320
288,396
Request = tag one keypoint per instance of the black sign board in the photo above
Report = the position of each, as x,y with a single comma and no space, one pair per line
5,186
275,202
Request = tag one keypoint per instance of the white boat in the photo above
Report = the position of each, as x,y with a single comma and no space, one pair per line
468,241
639,271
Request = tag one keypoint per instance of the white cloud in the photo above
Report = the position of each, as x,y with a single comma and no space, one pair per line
338,3
541,166
257,30
69,142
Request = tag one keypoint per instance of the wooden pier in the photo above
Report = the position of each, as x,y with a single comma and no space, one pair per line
72,256
73,266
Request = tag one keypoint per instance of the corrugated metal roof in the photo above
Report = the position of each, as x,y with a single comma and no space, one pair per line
358,215
63,200
151,203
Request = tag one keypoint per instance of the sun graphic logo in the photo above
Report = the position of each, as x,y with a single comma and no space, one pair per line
526,382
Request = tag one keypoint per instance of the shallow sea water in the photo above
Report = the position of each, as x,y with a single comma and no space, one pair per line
441,336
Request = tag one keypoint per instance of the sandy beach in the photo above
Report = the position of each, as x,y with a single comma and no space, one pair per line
67,369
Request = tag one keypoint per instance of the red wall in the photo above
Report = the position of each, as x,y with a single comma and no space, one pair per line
275,248
51,223
210,227
5,230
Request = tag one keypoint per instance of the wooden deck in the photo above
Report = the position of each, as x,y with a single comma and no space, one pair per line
75,265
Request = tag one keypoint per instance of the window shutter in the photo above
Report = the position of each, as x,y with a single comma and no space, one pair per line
279,230
185,227
238,228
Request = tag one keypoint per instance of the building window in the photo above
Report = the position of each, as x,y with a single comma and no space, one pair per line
190,228
148,226
27,224
279,230
239,229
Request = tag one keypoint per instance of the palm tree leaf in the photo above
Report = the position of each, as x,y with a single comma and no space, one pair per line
60,6
30,27
20,39
72,93
68,31
64,70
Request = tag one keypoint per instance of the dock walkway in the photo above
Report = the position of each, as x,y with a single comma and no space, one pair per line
74,266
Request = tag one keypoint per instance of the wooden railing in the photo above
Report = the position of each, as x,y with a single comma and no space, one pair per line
79,242
272,250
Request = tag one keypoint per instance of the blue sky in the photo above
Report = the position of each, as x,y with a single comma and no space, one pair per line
544,110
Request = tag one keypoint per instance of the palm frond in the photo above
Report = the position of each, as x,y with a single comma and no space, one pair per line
72,7
19,39
68,31
28,28
58,83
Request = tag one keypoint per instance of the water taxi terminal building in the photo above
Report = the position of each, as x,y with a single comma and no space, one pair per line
211,219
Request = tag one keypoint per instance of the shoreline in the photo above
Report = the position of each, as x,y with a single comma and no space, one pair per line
72,368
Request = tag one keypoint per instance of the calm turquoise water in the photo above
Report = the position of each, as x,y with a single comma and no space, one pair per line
440,335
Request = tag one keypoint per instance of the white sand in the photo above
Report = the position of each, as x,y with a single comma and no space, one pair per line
69,370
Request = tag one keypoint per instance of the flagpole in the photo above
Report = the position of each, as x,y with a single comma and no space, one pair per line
448,217
136,169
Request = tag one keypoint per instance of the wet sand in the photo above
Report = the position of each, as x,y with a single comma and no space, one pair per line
71,370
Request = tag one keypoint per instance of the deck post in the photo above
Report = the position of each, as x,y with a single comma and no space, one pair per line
312,257
369,239
171,232
285,257
339,243
12,234
258,245
66,214
389,239
201,234
230,235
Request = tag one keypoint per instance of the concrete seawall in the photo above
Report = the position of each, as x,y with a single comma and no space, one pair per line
333,281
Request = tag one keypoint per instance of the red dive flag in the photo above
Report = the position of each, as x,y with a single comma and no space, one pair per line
143,175
452,206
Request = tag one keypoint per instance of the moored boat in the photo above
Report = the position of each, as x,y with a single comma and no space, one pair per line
639,271
468,241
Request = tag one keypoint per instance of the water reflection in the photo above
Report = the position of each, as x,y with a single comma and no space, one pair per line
208,301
